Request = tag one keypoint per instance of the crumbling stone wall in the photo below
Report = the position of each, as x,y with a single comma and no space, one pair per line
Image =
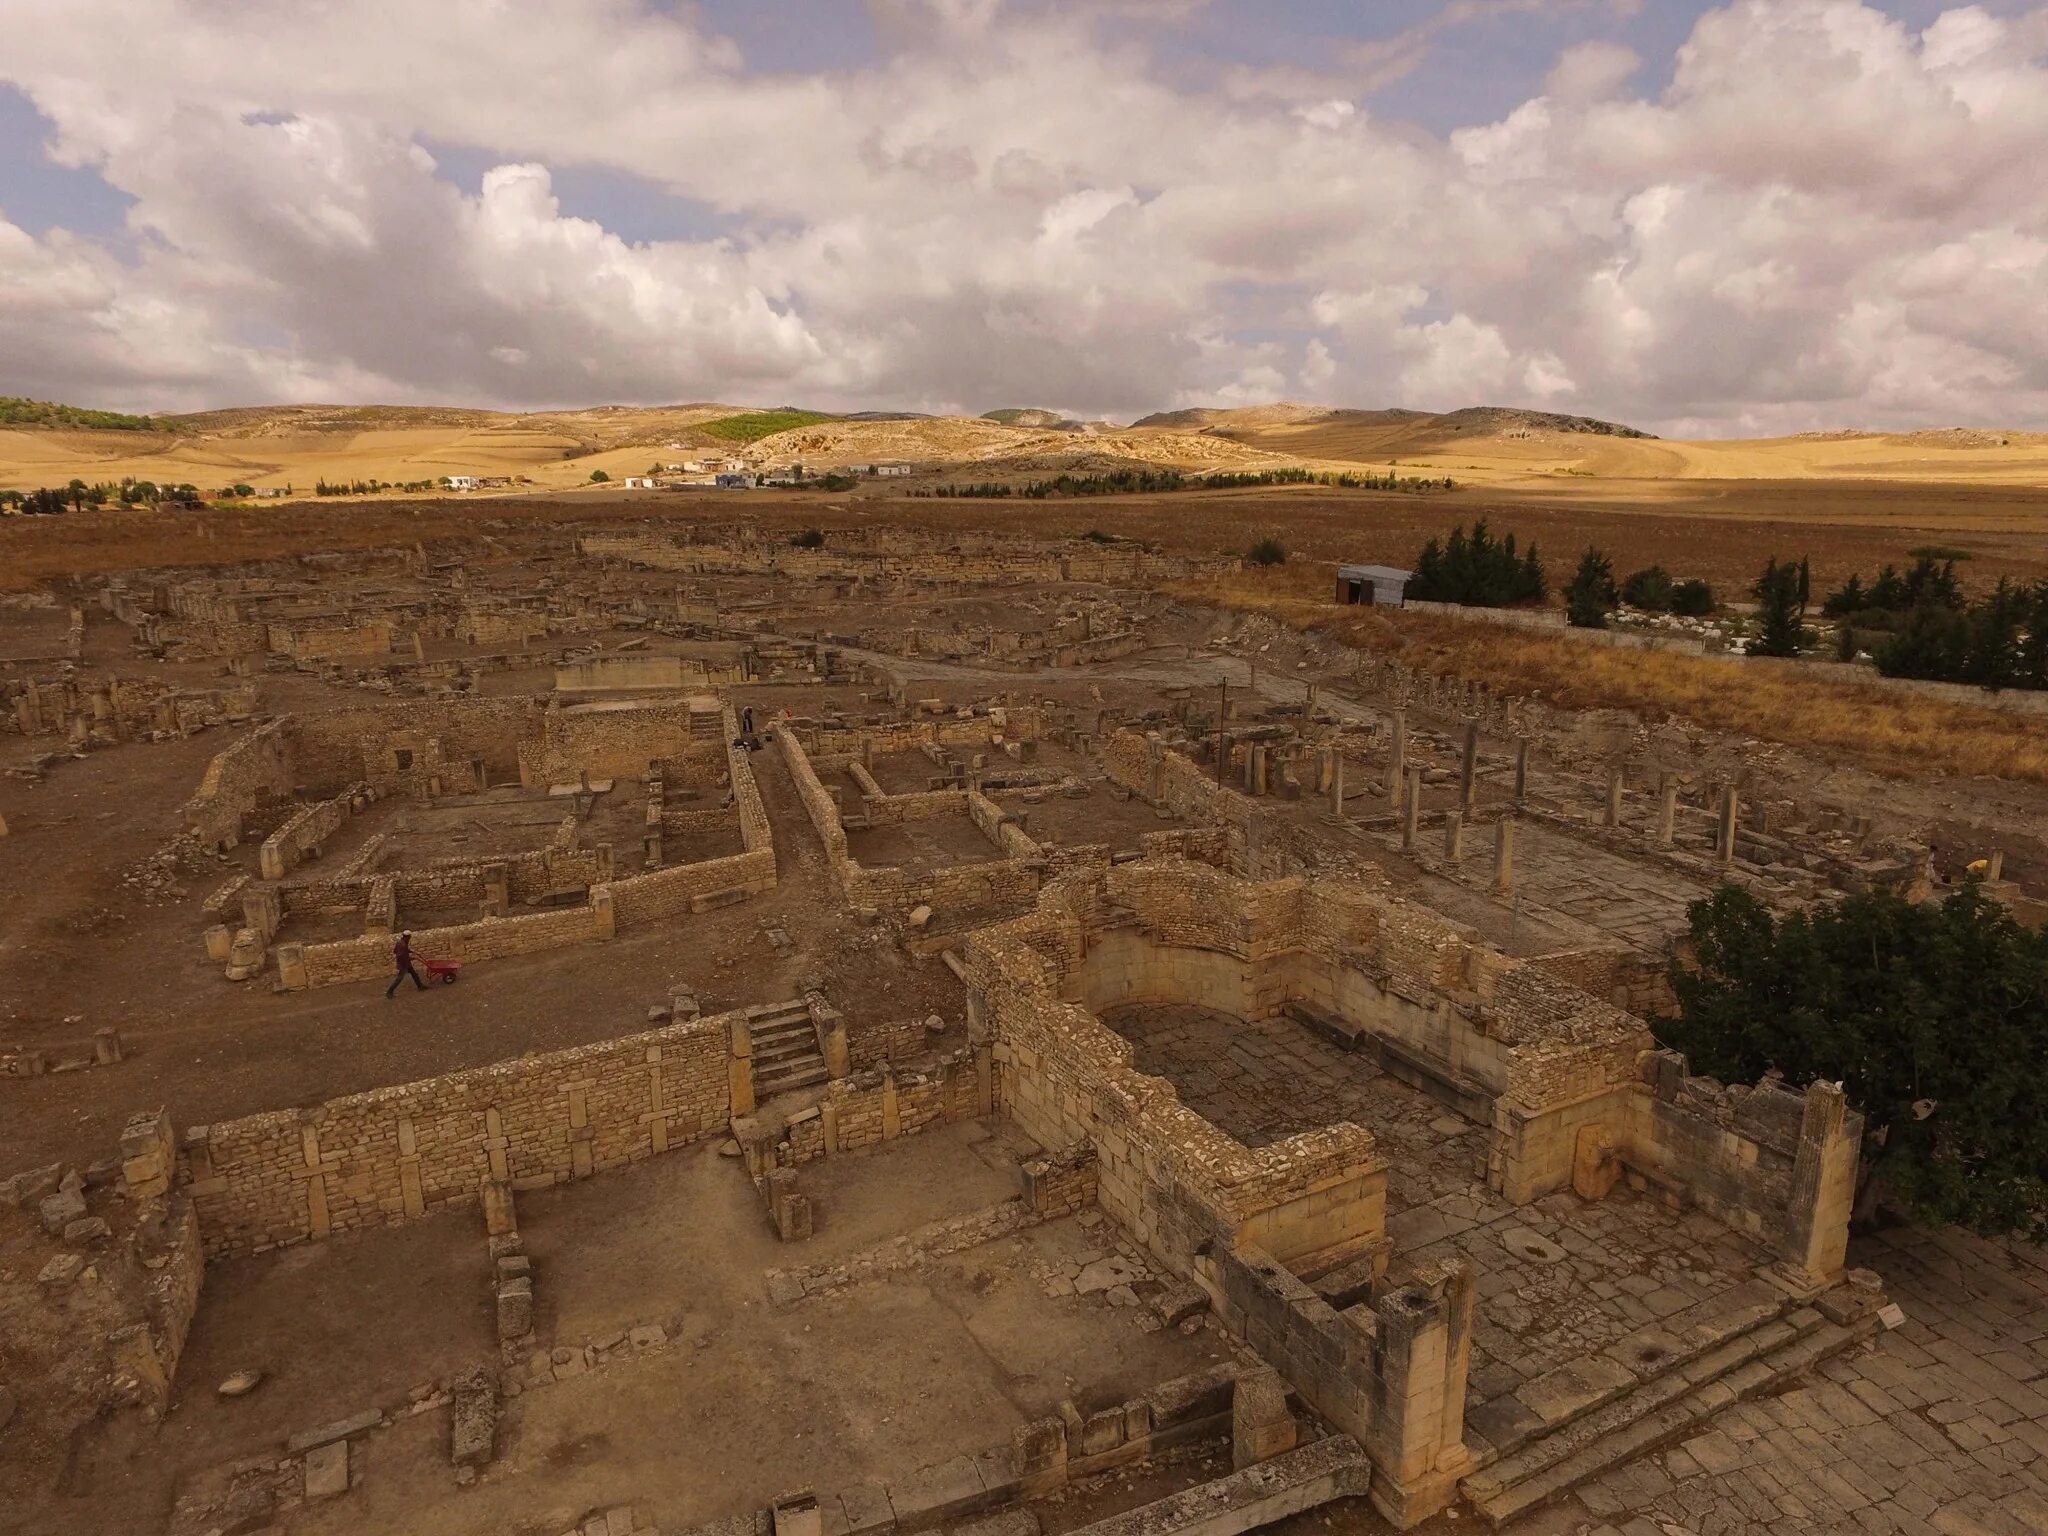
1001,882
255,770
394,1154
611,742
306,829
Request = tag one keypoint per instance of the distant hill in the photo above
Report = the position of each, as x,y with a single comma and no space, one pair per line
17,412
1475,418
1501,418
752,426
1031,416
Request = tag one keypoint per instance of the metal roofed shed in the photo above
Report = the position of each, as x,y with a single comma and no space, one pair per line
1377,585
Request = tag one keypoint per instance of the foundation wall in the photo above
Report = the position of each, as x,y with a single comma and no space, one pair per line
253,771
394,1154
613,743
369,958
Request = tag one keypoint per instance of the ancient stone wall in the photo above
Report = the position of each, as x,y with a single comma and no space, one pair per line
368,635
393,1154
252,772
300,966
306,829
398,745
611,741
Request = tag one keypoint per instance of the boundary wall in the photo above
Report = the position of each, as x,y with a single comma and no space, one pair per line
394,1154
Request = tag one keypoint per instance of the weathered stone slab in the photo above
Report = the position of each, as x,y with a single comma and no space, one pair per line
1574,1387
340,1429
327,1471
1257,1496
473,1420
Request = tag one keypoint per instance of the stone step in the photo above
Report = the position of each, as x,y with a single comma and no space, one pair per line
783,1079
796,1024
775,1052
1660,1410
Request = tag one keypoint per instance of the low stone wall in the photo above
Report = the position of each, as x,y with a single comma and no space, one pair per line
891,1101
368,958
397,1153
1001,882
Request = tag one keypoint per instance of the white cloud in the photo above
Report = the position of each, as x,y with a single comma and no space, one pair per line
1825,218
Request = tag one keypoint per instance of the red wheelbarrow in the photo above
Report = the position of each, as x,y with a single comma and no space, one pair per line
444,971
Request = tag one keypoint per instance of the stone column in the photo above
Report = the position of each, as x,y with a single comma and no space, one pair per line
1412,816
1454,835
1335,779
1421,1355
1667,817
1504,855
1521,769
1397,766
1730,814
1468,767
740,1065
1816,1235
1614,798
1261,1424
1994,866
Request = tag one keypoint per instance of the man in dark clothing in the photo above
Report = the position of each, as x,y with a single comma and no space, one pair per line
747,724
401,952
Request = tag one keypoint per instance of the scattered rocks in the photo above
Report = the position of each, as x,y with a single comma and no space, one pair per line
61,1271
59,1210
87,1229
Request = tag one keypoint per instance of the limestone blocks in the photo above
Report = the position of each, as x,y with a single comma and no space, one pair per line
149,1155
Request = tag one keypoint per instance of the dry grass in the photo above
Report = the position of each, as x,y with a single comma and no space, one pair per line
1879,727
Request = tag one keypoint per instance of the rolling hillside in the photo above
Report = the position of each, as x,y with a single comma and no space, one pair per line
1511,450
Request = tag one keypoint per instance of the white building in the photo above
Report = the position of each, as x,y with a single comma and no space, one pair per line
459,482
640,482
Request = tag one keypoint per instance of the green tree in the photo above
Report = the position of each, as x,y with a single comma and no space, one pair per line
1779,611
1692,598
1933,1017
1649,589
1267,551
598,477
1591,596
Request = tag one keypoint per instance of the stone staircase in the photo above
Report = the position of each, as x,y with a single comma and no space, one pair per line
1624,1413
786,1053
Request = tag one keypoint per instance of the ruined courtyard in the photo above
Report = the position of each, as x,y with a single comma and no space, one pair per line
924,1033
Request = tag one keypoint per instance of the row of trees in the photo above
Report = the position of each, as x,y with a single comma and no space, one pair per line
371,487
1919,623
1593,594
1127,482
1478,571
1999,641
78,495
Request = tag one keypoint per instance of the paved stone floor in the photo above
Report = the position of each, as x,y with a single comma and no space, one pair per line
1261,1082
1636,901
1939,1426
1557,1279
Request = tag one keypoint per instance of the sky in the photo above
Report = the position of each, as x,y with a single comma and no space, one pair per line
1734,219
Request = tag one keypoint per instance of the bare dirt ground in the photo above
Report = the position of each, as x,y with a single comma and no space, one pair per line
85,951
745,1401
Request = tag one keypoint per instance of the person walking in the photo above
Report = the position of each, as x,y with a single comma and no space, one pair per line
401,953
